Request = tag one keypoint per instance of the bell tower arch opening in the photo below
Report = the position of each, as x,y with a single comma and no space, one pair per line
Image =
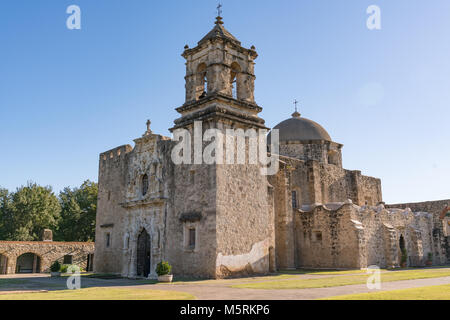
235,80
201,81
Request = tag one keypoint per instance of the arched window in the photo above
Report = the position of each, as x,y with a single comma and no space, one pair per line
234,81
144,185
202,81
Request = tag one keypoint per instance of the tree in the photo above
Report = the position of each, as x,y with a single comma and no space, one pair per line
33,208
5,213
78,211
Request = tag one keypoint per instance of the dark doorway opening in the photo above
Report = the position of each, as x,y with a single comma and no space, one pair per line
403,253
90,262
3,264
143,254
28,263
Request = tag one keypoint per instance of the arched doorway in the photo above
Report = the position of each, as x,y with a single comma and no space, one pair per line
143,254
3,264
403,254
28,263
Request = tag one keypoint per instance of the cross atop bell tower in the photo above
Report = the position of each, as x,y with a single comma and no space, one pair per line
220,75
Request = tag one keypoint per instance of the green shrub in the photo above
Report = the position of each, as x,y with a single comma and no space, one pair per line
55,267
163,268
70,268
430,256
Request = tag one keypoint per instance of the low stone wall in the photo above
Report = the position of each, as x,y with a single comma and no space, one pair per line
46,251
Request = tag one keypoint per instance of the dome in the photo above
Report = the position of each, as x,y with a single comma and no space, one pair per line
301,129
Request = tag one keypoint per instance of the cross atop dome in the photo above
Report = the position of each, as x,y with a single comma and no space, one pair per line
296,114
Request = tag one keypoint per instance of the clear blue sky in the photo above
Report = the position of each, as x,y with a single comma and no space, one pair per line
68,95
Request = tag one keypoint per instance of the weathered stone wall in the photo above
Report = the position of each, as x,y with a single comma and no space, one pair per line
245,225
326,237
284,217
383,248
316,182
194,206
440,240
343,235
325,152
113,168
47,251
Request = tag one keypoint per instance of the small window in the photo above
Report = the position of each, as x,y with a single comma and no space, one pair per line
318,236
68,259
108,240
192,177
192,238
144,185
294,200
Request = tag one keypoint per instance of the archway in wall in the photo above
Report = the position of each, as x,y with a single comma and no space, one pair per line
3,264
28,263
143,254
234,81
403,252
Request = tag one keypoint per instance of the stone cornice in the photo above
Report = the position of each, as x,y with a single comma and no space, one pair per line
144,203
219,97
215,112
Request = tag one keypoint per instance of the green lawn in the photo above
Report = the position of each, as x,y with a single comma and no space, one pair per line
423,293
101,294
325,272
344,280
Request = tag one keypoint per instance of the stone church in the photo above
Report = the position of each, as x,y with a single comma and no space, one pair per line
225,220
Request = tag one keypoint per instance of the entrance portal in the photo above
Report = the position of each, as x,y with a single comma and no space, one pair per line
28,263
143,254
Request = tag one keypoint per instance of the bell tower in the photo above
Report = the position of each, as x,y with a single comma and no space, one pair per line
220,81
234,216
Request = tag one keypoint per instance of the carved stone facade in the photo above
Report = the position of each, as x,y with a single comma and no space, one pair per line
222,220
